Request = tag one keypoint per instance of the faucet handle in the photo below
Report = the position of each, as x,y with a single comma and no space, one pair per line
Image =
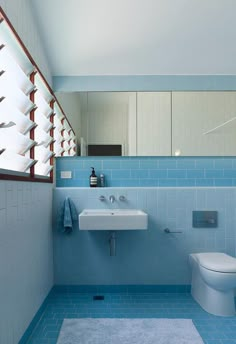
112,198
122,198
102,198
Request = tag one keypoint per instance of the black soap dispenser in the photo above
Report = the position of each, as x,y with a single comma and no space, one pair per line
93,180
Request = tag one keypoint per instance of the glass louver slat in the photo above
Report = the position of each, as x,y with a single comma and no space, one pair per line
72,136
66,146
12,161
66,135
58,127
15,49
58,112
66,125
42,106
42,137
14,96
42,121
8,111
45,92
15,141
66,153
42,154
59,139
73,146
13,73
58,150
43,169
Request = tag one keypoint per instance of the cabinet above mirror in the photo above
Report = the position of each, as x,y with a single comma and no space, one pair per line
154,123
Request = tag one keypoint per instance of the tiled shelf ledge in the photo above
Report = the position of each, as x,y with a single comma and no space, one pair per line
149,171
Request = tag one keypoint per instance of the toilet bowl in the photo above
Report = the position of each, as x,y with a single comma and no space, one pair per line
213,282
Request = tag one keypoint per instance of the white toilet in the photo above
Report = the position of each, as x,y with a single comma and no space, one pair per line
213,282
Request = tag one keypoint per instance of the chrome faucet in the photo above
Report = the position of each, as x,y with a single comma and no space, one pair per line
112,199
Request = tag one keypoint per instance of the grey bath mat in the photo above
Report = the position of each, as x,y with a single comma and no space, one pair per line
128,331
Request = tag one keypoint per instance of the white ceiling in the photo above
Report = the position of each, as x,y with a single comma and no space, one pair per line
138,37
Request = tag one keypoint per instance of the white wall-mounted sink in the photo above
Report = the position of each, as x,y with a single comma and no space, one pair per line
113,219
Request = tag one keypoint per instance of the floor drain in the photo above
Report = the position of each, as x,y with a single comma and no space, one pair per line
98,297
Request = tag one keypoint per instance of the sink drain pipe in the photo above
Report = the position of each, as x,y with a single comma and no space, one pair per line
112,244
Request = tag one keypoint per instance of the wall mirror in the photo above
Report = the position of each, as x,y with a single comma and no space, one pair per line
186,123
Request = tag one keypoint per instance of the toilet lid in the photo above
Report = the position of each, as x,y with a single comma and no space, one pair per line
217,261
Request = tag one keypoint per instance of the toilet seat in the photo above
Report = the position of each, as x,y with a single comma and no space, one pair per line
216,261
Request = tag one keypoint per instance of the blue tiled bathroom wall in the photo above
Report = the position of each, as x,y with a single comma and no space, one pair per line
149,171
144,257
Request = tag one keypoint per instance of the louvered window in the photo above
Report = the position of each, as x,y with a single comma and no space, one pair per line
33,126
15,104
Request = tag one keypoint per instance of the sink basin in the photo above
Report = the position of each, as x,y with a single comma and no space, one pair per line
113,219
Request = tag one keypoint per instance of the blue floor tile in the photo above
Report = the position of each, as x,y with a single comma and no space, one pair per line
61,305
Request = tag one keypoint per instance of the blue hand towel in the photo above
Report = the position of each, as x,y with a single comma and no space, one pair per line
70,216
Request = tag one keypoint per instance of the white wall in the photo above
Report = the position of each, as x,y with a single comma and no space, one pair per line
26,264
139,37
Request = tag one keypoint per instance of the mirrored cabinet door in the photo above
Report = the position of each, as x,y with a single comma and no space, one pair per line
204,123
108,119
154,123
